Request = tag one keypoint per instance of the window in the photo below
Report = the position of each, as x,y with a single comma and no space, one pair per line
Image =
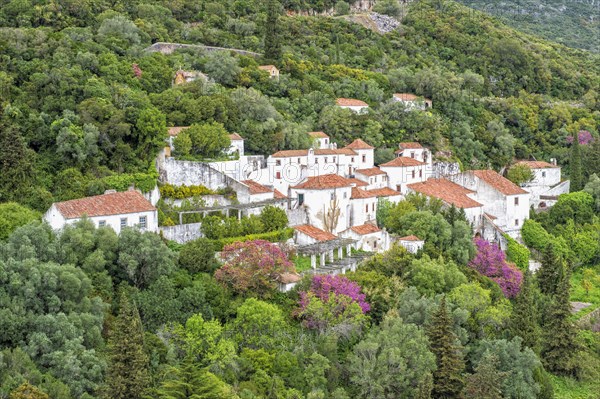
412,154
325,159
516,222
543,174
352,159
102,223
367,208
300,199
143,222
123,222
278,175
345,194
374,244
516,200
373,207
316,160
413,174
370,181
332,196
326,141
364,158
421,173
398,187
278,162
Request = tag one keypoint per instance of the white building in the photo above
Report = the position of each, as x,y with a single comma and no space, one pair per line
402,171
320,140
352,104
366,156
237,145
271,70
306,234
363,207
546,185
452,194
506,203
414,150
412,102
182,76
369,237
374,177
113,209
413,244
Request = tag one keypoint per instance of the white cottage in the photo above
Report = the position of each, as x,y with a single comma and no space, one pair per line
546,185
402,171
368,237
413,244
112,209
413,102
414,150
374,177
352,104
320,139
271,70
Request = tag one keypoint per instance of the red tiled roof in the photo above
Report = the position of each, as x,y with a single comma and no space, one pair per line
290,153
105,205
278,194
335,151
370,171
235,136
359,144
174,131
366,228
288,278
358,182
409,238
449,192
360,193
318,135
256,188
410,145
383,192
324,182
498,182
267,67
402,162
350,102
408,97
537,164
315,232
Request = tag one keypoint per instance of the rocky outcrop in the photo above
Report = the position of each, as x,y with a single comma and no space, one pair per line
384,23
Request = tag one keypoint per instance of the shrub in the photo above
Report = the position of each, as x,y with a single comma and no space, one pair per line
491,262
517,253
181,192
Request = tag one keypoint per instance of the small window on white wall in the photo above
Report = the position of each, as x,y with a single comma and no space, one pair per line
102,223
516,200
143,222
543,174
516,222
123,222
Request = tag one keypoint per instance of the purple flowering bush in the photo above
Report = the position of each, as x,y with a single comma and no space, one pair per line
585,138
332,301
490,261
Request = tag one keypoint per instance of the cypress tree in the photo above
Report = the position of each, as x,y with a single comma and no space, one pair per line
576,174
447,378
548,275
560,344
524,315
127,376
272,35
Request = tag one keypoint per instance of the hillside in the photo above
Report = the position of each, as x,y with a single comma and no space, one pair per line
572,23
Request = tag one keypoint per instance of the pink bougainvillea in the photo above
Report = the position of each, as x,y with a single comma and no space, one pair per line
585,137
253,265
490,261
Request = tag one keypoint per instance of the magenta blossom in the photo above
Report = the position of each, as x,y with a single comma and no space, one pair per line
490,261
585,138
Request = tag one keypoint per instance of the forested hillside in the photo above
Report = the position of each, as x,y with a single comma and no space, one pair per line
572,23
86,313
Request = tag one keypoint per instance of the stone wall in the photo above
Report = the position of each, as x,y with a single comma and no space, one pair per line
182,233
445,169
297,216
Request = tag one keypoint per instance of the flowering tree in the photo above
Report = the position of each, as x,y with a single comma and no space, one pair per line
585,138
332,301
491,262
253,265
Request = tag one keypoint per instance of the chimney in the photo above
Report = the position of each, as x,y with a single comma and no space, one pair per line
131,188
111,191
553,161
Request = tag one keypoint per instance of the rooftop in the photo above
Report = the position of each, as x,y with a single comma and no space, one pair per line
256,188
360,193
105,205
359,144
409,238
290,153
408,97
267,67
278,194
174,131
235,137
410,145
537,164
358,182
324,182
449,192
383,192
370,172
402,162
315,232
335,151
366,228
350,102
498,182
318,135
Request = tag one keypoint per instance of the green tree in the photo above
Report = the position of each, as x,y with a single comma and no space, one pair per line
209,139
13,215
28,391
198,256
486,382
272,31
548,275
273,218
151,128
560,348
524,318
520,174
388,7
127,375
447,378
182,144
575,166
16,163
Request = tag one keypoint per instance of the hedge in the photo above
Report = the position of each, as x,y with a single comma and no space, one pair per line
181,192
517,253
142,181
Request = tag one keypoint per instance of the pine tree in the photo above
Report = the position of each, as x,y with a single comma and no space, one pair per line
524,315
560,341
447,378
272,34
16,164
486,382
550,270
576,174
425,386
127,376
190,381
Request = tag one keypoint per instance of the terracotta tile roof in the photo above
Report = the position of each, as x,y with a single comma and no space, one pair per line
278,194
315,232
370,171
235,137
350,102
449,192
402,162
267,67
174,131
410,145
105,205
290,153
359,144
498,182
335,151
358,193
256,188
383,192
408,97
366,228
324,182
537,164
358,182
318,135
409,238
288,278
